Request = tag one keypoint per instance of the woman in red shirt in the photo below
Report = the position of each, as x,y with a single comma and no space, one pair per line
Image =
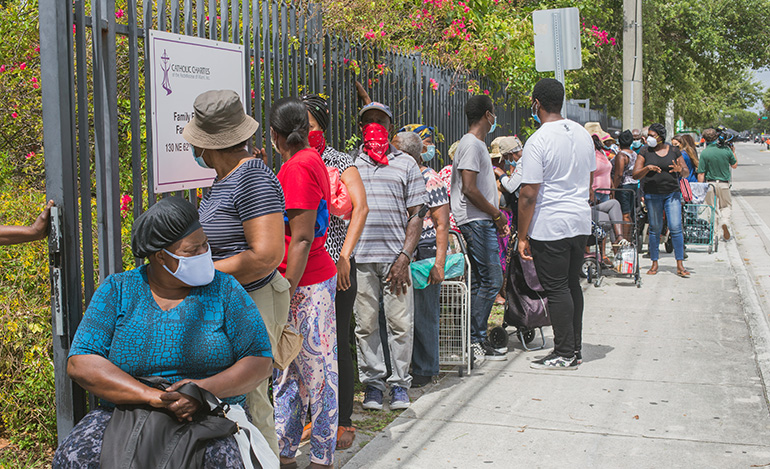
312,377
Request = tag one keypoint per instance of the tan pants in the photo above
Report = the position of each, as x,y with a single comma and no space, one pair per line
272,300
724,201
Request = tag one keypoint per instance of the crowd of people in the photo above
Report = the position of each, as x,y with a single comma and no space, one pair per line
265,277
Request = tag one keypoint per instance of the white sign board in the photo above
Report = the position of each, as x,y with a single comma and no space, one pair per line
182,67
557,38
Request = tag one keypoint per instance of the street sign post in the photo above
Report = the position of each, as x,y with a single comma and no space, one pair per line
557,41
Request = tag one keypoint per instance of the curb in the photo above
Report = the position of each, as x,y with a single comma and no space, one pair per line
756,318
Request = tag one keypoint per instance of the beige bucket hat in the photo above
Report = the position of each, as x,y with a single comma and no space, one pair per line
510,145
219,121
595,128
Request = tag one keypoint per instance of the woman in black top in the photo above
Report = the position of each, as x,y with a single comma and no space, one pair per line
659,167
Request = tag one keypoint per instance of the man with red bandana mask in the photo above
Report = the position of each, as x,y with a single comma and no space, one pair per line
395,194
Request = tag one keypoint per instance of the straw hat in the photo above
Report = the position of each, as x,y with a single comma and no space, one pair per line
452,150
510,145
219,121
494,148
595,128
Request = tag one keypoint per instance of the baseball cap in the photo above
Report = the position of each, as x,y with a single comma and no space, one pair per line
377,106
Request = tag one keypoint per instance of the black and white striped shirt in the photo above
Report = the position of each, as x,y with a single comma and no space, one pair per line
250,191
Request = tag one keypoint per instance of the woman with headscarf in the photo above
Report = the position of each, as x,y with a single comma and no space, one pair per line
175,317
659,166
312,377
340,242
242,215
417,141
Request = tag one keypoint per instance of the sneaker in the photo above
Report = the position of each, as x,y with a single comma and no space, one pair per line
491,354
399,399
419,381
478,353
579,357
555,362
372,398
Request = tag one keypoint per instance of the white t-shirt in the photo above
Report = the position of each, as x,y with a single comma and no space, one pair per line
560,157
472,155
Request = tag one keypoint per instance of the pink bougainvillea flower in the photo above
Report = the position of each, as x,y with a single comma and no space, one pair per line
486,91
382,33
14,115
382,25
369,35
345,61
253,94
120,13
35,86
2,68
23,65
73,29
37,49
613,41
30,155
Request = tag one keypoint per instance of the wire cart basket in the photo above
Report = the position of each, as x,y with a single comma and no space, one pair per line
699,219
455,319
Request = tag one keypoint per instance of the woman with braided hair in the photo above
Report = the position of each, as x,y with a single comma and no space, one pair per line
340,242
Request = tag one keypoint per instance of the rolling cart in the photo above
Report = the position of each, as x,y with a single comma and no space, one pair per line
454,347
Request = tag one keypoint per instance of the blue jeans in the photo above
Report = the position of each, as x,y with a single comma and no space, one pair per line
601,197
486,273
426,314
672,205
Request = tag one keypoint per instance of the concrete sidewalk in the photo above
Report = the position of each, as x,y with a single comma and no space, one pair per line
670,379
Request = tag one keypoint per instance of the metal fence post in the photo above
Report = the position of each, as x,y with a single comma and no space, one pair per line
56,54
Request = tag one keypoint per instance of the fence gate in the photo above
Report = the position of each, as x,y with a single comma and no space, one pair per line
98,146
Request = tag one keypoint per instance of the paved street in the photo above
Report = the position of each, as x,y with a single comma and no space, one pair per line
672,374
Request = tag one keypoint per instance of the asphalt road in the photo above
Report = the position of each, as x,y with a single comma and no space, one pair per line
751,179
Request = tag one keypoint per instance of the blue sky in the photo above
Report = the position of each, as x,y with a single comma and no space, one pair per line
764,77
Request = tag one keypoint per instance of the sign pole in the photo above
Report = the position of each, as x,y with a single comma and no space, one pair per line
557,45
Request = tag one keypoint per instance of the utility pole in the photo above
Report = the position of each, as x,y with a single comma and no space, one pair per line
632,64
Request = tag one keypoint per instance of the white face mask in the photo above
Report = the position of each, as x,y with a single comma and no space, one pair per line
195,271
652,142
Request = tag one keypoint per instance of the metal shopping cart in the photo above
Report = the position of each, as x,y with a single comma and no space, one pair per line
454,347
699,218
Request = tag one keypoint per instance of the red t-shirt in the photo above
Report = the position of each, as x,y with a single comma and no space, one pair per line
305,183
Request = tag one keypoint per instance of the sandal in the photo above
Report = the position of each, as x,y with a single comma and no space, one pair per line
342,431
622,242
652,271
306,432
683,273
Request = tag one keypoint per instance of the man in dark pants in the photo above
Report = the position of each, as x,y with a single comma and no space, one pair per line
555,218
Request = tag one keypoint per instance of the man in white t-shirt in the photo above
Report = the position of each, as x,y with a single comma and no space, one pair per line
555,217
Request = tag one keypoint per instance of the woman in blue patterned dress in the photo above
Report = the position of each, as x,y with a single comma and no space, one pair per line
176,318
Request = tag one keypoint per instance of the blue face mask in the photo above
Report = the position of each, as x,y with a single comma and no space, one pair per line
494,126
534,114
509,165
636,145
199,159
428,155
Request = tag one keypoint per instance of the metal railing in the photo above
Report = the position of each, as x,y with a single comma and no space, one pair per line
96,137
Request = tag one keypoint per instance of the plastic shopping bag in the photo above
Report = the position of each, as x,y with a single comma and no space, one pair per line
453,267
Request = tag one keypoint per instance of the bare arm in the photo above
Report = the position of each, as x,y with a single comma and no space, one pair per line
621,160
701,177
22,234
241,377
302,225
474,195
352,180
440,217
265,236
362,94
527,200
102,378
399,277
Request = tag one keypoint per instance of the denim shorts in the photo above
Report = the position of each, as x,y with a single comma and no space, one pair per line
627,199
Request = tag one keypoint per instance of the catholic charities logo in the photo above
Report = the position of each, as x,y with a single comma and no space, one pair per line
182,71
165,84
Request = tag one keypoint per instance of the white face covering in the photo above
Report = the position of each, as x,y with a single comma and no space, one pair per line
195,271
652,142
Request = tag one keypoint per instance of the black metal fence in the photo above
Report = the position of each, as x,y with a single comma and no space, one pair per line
97,141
